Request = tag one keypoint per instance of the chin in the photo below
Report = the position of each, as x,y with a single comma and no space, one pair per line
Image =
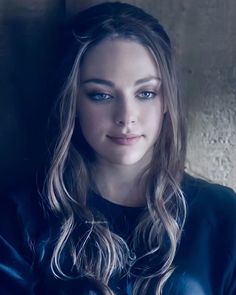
127,161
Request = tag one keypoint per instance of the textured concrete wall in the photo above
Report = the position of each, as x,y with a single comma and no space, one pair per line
204,36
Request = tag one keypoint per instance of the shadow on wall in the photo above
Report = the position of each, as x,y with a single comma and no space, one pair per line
29,34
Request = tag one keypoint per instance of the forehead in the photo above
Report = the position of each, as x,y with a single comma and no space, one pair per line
115,57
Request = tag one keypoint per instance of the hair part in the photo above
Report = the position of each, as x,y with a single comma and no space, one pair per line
70,175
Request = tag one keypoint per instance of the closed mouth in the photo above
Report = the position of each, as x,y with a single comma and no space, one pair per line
125,140
124,137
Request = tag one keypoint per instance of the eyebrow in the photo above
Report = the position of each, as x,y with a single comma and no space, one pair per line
111,84
98,81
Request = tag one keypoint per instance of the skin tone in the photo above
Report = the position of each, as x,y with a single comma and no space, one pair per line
120,109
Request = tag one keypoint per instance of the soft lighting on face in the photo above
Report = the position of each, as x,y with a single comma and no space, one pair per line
120,101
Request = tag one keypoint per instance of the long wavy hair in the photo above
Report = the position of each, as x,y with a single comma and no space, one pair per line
85,242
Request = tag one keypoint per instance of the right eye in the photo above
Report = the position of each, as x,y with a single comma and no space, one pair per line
99,96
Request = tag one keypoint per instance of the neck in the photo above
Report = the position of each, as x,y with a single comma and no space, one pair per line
121,184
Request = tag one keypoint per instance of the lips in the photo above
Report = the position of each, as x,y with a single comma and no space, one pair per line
129,139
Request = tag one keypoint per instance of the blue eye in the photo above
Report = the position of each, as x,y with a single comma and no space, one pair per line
146,95
99,96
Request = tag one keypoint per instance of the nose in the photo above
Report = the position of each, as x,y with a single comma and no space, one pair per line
126,112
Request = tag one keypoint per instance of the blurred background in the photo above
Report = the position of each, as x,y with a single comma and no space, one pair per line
204,36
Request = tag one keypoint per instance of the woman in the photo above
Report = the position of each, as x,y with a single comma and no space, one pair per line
125,217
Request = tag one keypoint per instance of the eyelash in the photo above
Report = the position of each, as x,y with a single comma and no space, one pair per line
93,95
107,97
151,94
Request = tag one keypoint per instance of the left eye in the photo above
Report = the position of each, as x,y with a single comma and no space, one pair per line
146,94
100,96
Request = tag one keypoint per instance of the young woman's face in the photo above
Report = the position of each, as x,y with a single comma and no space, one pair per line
120,103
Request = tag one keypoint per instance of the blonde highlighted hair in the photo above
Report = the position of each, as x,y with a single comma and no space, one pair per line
90,248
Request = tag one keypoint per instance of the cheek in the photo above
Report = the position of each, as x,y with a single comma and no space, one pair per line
92,120
86,121
154,117
88,127
87,115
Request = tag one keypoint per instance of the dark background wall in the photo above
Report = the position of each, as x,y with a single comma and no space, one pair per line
28,44
204,37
